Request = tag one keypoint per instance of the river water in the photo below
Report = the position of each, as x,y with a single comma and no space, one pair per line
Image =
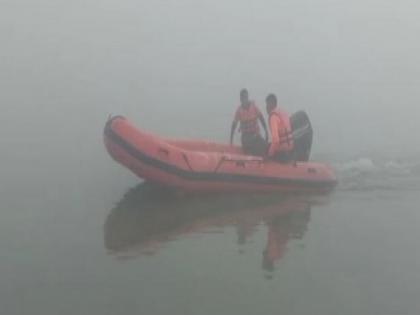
79,234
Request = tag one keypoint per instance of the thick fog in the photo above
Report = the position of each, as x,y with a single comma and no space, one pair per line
176,67
80,234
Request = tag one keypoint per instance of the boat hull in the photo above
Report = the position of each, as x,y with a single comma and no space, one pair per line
198,166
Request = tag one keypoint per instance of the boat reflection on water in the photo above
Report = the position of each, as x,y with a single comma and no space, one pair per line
148,217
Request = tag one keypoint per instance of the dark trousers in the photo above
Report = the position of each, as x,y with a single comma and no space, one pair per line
253,144
283,156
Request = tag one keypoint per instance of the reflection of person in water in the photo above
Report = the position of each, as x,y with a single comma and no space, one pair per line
276,244
244,231
279,231
147,218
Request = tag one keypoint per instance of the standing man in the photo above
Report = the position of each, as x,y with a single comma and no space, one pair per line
281,148
248,115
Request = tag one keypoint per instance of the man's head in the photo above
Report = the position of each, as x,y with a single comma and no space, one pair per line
244,97
271,103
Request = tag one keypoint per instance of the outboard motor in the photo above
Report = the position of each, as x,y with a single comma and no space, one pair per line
302,135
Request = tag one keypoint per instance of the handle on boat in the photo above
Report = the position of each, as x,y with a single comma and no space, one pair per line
187,161
238,161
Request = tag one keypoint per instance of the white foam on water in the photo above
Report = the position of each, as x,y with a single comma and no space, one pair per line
359,165
366,174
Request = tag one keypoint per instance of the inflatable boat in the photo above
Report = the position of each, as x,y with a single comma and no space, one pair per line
201,166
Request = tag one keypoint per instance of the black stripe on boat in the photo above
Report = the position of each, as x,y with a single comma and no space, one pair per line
208,176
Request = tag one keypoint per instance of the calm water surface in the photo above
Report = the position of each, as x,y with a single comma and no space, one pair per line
81,235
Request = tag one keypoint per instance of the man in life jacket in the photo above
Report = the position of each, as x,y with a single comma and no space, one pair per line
281,147
248,115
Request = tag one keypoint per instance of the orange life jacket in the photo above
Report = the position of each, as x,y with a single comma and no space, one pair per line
282,141
248,119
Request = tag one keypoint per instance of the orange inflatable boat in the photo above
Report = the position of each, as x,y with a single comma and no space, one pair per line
200,166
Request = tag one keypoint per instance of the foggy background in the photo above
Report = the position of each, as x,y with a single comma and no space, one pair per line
176,67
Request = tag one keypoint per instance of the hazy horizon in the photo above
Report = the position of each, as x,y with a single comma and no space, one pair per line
79,234
354,66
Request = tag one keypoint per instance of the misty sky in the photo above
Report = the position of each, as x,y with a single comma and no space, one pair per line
176,67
